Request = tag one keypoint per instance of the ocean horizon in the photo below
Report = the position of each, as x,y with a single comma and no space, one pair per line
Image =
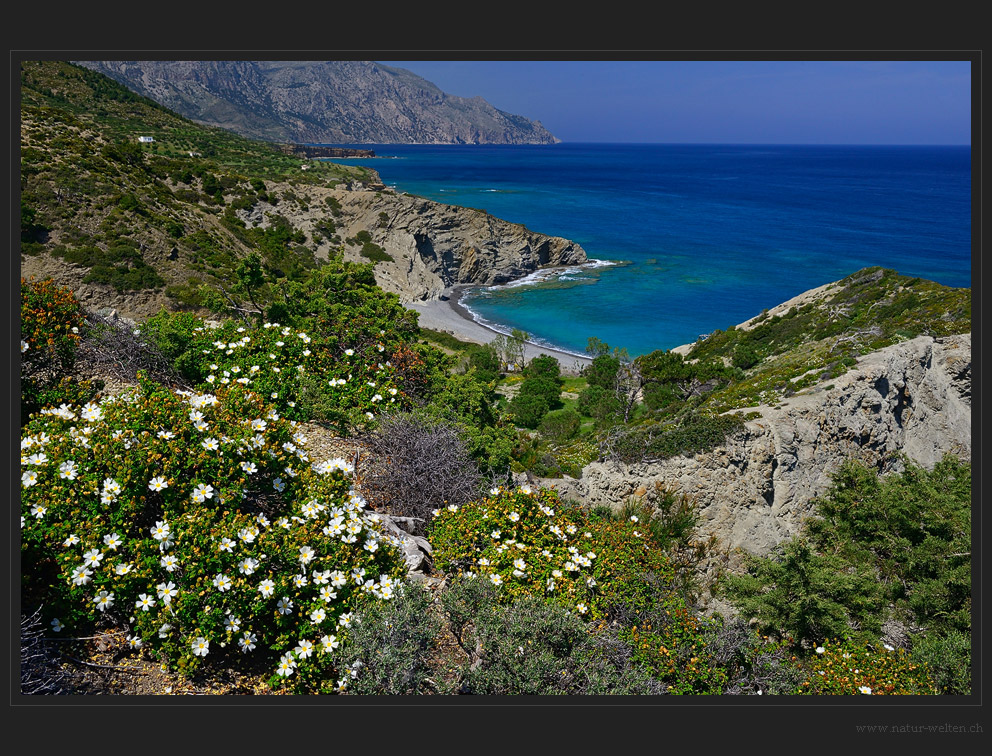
685,239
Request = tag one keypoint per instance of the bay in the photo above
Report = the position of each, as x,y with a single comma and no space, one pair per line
693,238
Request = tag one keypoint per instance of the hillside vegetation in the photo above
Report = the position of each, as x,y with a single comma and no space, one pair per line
141,219
173,493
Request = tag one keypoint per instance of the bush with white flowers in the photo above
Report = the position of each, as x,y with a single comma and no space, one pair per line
199,522
531,542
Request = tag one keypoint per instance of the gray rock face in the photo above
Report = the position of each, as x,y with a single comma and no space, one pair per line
336,101
754,492
433,246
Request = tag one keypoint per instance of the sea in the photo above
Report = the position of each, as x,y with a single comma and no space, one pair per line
686,239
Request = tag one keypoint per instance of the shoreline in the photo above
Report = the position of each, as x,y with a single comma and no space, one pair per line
449,315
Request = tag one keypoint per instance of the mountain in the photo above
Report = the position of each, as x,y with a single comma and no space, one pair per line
331,102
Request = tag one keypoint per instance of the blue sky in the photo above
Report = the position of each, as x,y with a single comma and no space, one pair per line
771,102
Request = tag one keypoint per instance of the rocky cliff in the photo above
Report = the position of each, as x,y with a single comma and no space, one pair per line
754,491
337,101
430,246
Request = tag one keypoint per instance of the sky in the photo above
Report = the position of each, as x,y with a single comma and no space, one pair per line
730,102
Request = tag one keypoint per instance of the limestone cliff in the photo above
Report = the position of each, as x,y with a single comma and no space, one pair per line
754,492
433,246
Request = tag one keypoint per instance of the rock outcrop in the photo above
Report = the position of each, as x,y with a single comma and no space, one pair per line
432,246
755,491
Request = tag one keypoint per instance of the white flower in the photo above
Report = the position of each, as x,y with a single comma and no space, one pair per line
248,534
247,566
286,665
865,689
210,444
202,492
582,608
160,531
266,587
279,485
249,467
104,600
167,592
285,605
304,648
328,643
232,624
820,650
226,544
247,642
68,470
222,583
887,647
81,575
29,478
91,412
200,646
122,569
327,594
306,554
317,616
92,557
56,623
24,346
38,510
144,602
134,641
169,562
496,579
345,620
157,483
112,541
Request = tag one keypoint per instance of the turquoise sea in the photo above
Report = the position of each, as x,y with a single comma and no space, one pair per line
691,238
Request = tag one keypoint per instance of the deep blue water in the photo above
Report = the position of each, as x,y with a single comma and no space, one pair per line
708,235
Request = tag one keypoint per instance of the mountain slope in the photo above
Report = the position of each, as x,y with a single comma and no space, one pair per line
337,102
138,225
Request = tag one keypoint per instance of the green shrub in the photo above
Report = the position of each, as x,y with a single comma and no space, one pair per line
568,557
947,657
902,540
528,409
375,253
560,425
392,645
530,647
745,356
182,489
850,668
51,320
485,360
345,377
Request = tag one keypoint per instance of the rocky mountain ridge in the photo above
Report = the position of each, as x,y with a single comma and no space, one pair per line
337,102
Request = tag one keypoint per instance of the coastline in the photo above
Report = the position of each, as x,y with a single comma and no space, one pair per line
449,315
